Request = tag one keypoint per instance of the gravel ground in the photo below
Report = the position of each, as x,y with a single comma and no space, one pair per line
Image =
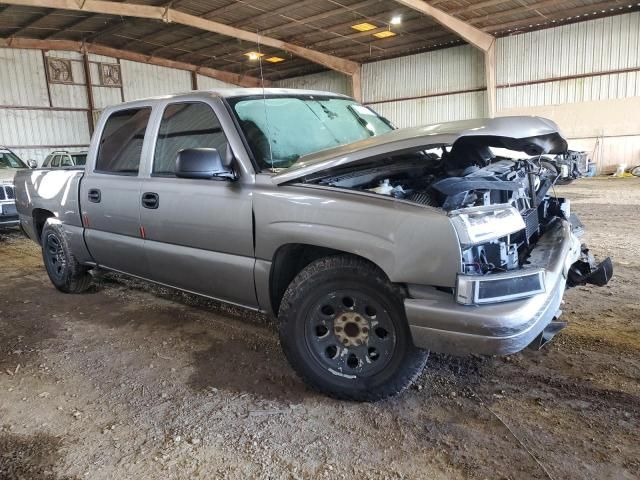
135,381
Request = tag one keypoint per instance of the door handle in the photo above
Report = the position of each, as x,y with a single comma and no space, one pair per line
150,200
94,195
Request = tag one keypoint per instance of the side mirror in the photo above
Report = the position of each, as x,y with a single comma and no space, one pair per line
32,164
201,163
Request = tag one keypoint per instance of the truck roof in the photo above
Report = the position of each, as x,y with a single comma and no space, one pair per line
237,92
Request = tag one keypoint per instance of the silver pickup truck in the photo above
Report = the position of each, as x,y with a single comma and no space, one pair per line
370,244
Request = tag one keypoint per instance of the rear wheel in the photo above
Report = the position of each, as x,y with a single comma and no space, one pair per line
64,271
343,329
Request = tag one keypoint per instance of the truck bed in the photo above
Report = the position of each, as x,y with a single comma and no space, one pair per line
45,193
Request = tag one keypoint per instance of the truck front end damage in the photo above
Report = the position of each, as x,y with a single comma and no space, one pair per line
520,250
518,243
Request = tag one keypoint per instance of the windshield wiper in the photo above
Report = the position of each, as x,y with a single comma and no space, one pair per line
361,121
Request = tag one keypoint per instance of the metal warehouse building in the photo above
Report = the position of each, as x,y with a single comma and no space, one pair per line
319,239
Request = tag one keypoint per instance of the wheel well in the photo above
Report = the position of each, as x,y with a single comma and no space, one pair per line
40,216
288,261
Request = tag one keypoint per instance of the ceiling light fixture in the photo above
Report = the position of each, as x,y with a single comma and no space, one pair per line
254,55
396,20
384,34
274,59
363,27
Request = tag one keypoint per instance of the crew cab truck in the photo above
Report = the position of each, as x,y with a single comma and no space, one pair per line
370,244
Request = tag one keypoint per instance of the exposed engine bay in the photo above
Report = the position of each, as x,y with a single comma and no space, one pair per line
464,176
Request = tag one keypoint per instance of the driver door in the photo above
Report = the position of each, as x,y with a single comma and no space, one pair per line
198,232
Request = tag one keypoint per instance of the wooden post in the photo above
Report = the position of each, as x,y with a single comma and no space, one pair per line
88,83
356,85
194,80
490,75
472,35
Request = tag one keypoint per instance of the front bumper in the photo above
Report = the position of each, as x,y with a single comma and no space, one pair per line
441,324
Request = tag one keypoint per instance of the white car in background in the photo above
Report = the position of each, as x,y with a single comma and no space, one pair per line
10,163
62,158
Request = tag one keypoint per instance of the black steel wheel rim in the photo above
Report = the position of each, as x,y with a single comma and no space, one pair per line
55,258
350,334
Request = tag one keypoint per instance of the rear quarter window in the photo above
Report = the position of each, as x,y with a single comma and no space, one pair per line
121,143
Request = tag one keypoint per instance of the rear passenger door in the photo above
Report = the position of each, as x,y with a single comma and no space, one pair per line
199,234
110,193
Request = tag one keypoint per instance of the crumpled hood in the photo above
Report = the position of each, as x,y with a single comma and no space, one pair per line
7,174
533,135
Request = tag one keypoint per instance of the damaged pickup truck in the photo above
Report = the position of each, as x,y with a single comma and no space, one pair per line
371,245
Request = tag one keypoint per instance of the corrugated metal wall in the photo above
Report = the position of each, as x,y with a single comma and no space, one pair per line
425,111
561,69
103,96
37,117
325,81
22,78
610,44
592,61
441,71
208,83
140,80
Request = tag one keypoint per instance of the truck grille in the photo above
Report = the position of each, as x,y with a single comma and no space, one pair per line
7,192
531,221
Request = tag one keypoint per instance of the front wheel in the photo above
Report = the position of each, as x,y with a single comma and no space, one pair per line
344,331
65,272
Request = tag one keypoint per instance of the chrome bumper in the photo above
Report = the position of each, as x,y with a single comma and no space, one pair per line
441,324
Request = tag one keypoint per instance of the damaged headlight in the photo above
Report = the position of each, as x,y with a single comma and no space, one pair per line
480,224
502,287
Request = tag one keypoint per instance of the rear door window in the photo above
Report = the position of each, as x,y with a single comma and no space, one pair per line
120,146
79,158
186,125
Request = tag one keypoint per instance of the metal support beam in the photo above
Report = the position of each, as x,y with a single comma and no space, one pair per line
469,33
170,15
472,35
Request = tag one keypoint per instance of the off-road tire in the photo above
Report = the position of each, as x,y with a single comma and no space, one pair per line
64,270
319,282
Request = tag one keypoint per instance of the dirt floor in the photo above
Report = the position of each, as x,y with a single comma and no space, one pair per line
136,381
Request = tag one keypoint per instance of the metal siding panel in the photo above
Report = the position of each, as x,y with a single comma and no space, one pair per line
440,71
105,97
609,43
425,111
43,127
208,83
22,78
143,81
101,58
330,81
102,96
